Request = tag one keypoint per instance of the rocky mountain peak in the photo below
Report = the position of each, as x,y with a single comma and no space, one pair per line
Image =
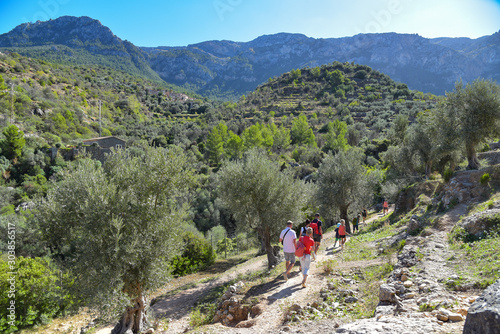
65,30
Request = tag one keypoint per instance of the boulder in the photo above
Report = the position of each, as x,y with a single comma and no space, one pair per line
387,294
481,222
414,225
483,317
246,324
408,257
256,310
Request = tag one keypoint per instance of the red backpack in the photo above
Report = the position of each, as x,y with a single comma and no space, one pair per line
299,251
315,228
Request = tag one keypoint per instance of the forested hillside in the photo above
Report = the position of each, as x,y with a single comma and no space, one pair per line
333,139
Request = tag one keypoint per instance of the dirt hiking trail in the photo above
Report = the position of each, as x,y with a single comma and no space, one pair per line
273,296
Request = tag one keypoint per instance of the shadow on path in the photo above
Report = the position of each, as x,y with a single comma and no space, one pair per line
286,292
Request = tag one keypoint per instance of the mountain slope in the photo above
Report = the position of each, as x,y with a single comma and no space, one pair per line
429,65
77,41
227,69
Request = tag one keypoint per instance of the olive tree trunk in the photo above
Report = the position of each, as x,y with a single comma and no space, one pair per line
472,157
428,169
343,215
272,259
134,318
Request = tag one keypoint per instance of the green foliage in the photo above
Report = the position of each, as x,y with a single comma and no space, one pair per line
234,146
476,107
197,255
215,234
202,314
401,245
40,292
343,183
13,144
295,74
361,74
256,192
335,77
225,246
448,173
479,259
316,72
119,223
253,137
28,240
335,138
485,179
301,133
215,143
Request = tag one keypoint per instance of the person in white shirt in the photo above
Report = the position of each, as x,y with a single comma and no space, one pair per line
288,238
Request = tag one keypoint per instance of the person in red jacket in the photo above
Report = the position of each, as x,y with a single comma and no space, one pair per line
385,207
342,233
317,226
305,260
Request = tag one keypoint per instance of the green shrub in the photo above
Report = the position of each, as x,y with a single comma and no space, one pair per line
448,173
485,178
225,246
245,242
401,245
460,234
361,74
39,292
197,254
203,314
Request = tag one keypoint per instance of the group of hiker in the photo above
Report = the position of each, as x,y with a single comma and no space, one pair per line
307,245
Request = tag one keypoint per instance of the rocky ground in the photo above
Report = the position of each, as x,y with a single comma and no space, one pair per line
414,299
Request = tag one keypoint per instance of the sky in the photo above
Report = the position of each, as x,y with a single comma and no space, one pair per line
183,22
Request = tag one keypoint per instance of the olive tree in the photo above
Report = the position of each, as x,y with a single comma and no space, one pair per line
261,197
477,106
116,227
422,137
343,184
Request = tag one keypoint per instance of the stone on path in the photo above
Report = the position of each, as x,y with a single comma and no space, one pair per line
483,316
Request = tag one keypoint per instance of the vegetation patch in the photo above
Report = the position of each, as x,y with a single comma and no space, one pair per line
479,259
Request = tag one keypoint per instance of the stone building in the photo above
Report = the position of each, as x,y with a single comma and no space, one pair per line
105,142
96,147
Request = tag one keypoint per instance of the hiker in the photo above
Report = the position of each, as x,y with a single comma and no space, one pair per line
337,236
385,207
364,213
342,233
303,231
355,223
317,228
305,260
288,238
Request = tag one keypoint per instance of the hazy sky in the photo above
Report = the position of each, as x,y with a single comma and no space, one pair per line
183,22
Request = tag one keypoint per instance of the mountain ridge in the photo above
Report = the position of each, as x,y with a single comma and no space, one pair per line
230,69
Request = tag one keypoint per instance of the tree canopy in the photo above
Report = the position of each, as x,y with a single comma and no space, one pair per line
116,227
477,107
261,197
343,184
